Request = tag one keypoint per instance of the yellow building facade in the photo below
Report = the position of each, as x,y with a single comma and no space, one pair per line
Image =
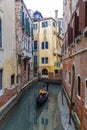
47,48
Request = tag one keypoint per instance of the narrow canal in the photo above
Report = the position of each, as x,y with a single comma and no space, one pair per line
28,117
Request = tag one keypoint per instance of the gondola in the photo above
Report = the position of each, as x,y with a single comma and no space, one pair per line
42,96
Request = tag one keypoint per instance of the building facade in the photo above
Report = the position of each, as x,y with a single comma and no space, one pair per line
7,45
16,39
24,42
75,61
46,49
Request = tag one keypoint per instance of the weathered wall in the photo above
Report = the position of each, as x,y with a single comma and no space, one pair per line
8,51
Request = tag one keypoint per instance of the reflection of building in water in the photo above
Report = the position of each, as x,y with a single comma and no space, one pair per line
48,119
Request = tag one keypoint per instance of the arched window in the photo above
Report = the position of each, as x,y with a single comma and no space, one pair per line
0,33
44,72
79,86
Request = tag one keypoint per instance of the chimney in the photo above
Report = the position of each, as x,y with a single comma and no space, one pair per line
56,14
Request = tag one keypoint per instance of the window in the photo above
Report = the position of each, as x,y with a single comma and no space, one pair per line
34,26
57,64
0,79
44,72
45,45
44,24
35,70
35,59
53,24
12,79
44,121
0,33
59,23
29,45
35,45
70,78
44,60
79,86
42,45
24,64
56,71
86,94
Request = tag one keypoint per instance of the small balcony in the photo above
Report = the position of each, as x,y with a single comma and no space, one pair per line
57,52
27,54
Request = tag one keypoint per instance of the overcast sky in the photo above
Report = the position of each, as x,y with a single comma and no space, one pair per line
46,7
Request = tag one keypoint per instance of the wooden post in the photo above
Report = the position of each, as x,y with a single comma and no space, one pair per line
82,116
62,96
70,108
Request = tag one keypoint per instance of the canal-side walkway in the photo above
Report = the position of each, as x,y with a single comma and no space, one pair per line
64,110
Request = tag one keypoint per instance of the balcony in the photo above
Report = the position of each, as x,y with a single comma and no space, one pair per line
27,54
19,52
57,52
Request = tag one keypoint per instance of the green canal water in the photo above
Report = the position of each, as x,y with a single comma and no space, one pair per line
28,117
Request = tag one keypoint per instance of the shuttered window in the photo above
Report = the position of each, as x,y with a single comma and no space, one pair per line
76,25
82,14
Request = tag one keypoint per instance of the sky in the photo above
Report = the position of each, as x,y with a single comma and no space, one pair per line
46,7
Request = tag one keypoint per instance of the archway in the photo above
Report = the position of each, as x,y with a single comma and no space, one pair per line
45,72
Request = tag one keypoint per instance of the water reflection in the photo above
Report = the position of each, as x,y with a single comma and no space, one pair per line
28,117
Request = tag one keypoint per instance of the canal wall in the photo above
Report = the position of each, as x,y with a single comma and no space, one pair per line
51,81
9,107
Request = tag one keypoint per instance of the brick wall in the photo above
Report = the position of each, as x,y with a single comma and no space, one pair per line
75,54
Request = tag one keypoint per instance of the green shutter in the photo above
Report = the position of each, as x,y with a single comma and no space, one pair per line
23,19
28,27
32,32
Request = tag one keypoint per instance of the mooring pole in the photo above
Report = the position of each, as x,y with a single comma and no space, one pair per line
70,114
82,116
62,96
